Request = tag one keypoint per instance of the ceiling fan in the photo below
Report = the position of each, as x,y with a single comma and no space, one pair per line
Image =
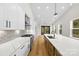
55,6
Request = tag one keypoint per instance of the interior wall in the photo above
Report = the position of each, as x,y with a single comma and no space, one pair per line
65,19
38,27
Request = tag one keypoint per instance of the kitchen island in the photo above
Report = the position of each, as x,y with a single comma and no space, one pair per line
62,45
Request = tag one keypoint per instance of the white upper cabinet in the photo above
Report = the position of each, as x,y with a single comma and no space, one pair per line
1,17
12,17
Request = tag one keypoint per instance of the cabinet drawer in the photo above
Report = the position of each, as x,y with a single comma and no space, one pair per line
6,49
21,51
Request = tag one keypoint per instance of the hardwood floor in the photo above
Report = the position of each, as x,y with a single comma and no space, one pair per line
38,47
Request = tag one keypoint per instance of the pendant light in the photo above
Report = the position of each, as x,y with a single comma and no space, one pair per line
55,10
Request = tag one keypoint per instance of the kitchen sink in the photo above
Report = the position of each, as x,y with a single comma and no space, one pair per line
51,37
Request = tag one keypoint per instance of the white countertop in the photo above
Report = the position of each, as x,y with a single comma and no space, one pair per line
65,45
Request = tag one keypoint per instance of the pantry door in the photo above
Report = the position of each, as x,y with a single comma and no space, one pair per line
45,30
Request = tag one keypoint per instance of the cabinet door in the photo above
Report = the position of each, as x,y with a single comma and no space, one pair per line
6,49
50,47
21,45
28,49
16,43
23,50
11,17
1,17
20,51
16,17
1,24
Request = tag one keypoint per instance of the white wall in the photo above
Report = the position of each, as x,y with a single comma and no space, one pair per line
65,19
38,27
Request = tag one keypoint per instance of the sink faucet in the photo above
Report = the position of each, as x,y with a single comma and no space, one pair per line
54,35
53,32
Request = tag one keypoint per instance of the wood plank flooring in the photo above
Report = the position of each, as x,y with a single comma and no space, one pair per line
38,47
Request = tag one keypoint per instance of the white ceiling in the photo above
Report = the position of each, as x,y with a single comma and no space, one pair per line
44,12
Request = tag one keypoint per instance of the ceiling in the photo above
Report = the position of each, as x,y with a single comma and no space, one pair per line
44,12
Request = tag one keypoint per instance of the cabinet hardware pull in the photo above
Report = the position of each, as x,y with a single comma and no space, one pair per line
22,47
6,23
9,24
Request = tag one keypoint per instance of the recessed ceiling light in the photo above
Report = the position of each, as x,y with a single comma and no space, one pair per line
62,7
38,7
71,4
47,7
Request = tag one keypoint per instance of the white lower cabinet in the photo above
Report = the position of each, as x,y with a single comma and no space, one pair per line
27,50
22,51
17,47
24,47
6,49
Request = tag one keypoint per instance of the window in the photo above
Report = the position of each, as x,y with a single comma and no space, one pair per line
60,30
75,28
45,30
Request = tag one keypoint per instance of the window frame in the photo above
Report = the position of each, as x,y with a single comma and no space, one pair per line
71,29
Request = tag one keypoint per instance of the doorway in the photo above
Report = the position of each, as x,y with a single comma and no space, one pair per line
45,30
